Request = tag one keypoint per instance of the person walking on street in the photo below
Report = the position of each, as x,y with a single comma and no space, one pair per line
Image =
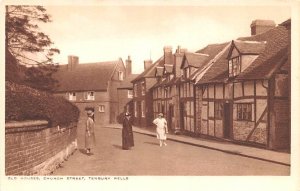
89,132
127,133
161,129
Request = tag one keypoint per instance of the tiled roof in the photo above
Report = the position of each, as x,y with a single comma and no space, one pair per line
217,70
195,59
150,72
85,77
249,47
126,84
276,48
214,50
275,53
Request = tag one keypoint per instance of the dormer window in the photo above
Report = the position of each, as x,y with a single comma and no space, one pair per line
72,96
89,95
234,66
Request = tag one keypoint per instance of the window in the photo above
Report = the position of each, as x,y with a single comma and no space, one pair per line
89,95
121,75
244,111
143,108
218,110
130,95
143,88
101,108
234,67
72,96
135,90
135,109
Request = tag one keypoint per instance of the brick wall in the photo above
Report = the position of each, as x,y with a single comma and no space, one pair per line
32,148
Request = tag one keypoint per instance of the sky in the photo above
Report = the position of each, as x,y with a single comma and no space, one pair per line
106,33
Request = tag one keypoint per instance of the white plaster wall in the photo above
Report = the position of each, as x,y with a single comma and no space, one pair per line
238,91
219,91
260,89
249,88
247,60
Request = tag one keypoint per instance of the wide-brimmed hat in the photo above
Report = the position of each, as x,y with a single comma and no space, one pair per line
161,114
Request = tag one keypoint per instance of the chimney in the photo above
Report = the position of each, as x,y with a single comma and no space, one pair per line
178,59
261,26
128,66
73,61
147,64
168,56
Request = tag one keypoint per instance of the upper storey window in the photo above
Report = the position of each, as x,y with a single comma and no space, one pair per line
234,66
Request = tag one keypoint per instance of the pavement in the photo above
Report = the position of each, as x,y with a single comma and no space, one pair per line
282,158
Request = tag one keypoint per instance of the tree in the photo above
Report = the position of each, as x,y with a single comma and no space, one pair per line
29,46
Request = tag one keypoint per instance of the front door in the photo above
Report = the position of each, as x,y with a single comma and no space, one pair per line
227,120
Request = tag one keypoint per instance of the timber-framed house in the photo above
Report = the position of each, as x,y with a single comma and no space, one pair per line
246,92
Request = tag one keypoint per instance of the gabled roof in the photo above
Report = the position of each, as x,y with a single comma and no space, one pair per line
194,59
85,77
271,57
277,46
248,47
126,84
150,72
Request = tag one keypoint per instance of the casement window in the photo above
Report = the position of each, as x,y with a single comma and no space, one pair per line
218,110
71,96
90,95
244,111
143,88
234,66
121,75
143,108
129,94
101,108
135,109
135,90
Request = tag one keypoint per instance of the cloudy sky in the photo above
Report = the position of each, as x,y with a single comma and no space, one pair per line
104,33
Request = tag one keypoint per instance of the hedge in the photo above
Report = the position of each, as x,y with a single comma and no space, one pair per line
25,103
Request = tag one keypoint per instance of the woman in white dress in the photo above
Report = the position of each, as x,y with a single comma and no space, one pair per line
161,129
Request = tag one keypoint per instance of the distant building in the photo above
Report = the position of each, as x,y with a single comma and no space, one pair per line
92,85
125,92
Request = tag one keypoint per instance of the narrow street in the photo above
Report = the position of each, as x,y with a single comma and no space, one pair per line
147,158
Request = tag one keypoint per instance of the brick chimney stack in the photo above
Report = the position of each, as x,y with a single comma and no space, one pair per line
128,66
261,26
73,61
147,64
168,56
178,59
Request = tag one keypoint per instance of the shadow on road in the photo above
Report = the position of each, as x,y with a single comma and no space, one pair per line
118,146
151,143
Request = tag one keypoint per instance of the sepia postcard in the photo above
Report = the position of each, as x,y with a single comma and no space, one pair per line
150,95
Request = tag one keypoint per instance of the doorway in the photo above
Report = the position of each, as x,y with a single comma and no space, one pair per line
227,120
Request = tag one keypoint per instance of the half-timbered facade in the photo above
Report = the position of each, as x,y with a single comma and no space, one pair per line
239,91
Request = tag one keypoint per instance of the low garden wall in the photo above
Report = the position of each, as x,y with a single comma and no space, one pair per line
34,148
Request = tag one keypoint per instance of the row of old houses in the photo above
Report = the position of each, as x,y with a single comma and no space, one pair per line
237,90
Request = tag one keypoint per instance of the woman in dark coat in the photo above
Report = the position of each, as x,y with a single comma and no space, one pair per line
127,134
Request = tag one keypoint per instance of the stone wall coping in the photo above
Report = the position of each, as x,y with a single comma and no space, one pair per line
28,123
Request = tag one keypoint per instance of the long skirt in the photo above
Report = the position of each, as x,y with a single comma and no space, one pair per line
127,139
161,133
90,141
